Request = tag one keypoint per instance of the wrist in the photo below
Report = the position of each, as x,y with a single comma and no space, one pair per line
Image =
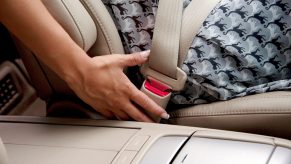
74,69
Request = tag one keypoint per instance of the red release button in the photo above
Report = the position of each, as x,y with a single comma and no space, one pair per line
157,88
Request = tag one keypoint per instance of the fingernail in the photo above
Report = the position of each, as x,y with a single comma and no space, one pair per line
165,116
145,54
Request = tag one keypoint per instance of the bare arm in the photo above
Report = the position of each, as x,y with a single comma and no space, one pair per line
30,21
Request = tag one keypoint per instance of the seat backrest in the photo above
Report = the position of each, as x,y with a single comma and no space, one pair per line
89,24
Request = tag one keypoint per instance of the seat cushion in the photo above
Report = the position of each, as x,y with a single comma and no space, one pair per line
266,113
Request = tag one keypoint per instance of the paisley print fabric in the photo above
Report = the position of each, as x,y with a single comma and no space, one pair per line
135,21
243,47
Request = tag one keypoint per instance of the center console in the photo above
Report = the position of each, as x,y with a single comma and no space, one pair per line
30,140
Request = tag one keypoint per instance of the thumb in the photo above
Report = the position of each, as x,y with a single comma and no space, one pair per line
136,58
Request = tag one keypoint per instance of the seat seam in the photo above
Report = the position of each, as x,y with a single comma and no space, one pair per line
182,114
76,23
267,97
99,22
225,115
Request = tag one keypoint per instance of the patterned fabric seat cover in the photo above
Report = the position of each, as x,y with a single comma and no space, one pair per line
243,47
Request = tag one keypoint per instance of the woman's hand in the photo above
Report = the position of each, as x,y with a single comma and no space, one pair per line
107,89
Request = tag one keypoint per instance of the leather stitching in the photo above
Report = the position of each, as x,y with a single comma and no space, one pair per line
178,117
263,111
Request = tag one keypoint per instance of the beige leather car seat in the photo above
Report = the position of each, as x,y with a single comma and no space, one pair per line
90,25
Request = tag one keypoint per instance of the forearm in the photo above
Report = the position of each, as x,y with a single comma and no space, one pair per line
30,21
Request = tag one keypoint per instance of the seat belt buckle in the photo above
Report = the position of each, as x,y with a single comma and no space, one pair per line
158,92
157,87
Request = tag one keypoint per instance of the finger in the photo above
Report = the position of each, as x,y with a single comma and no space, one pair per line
106,113
136,114
135,58
148,104
121,115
